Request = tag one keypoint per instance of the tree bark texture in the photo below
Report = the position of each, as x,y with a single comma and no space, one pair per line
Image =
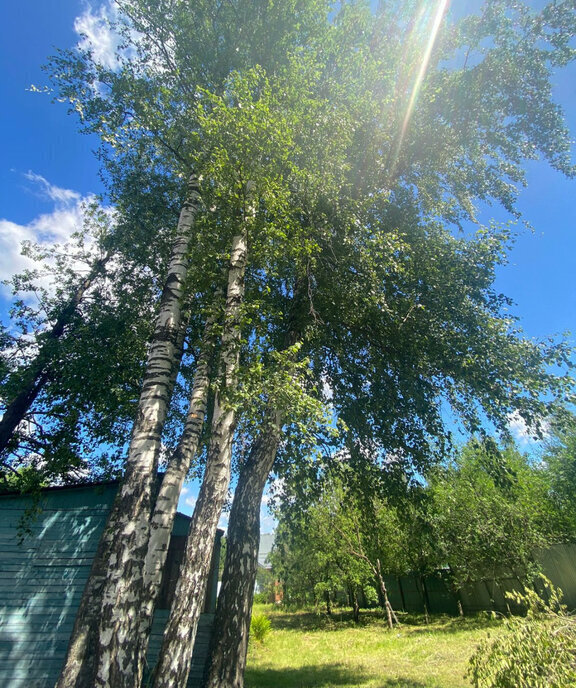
399,579
171,487
229,645
37,373
391,617
79,669
176,652
117,642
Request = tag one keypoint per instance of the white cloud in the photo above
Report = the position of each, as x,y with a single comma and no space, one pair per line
51,192
55,227
523,433
267,523
111,39
97,34
223,522
275,486
327,391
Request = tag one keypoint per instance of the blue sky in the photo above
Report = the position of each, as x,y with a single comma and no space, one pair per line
47,168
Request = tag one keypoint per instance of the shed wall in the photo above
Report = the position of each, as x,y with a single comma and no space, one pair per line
47,544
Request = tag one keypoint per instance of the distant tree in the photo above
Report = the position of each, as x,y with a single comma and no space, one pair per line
559,459
342,541
488,513
312,559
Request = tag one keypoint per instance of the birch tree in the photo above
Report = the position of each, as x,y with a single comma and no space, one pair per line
125,140
420,138
177,469
405,434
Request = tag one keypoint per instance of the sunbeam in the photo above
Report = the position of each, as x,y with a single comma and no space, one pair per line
434,27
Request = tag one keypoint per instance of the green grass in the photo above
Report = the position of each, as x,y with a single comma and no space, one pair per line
309,650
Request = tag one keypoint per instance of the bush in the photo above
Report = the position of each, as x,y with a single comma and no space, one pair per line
259,627
535,651
261,598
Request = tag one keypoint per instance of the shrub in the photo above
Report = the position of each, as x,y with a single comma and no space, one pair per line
261,598
535,651
259,627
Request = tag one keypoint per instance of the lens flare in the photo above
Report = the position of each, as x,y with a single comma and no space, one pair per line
432,25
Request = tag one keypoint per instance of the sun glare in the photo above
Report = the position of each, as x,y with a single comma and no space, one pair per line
428,23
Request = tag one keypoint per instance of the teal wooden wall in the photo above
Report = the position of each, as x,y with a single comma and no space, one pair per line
42,576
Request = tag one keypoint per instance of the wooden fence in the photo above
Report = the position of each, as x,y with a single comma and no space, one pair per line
411,593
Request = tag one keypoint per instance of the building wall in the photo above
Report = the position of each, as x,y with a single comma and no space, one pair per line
47,544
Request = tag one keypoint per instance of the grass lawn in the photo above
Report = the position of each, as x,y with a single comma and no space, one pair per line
306,650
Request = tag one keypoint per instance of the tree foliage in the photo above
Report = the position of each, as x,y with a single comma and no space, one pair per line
481,515
537,650
347,146
74,352
488,512
559,458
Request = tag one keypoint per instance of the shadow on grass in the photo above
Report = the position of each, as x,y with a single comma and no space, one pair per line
401,683
414,623
325,676
450,624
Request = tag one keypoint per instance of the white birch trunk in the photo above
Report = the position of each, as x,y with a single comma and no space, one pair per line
115,648
167,500
79,669
176,652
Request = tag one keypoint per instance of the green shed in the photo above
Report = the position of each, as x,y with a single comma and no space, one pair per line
47,543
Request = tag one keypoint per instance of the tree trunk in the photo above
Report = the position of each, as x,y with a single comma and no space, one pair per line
490,594
390,615
37,373
425,599
176,652
455,590
399,579
355,604
171,487
328,603
229,644
114,650
79,669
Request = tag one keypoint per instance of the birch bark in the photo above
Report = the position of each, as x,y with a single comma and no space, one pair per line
391,617
229,645
176,652
115,648
167,500
79,668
